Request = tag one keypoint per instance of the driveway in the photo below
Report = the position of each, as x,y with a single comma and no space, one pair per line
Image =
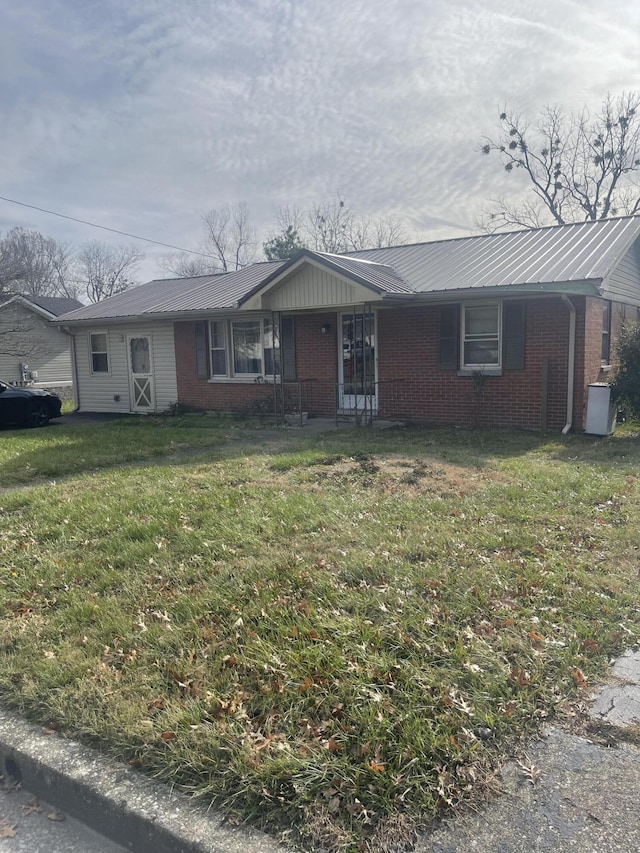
89,418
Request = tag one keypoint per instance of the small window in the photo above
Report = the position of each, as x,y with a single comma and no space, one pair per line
218,349
606,332
99,353
481,336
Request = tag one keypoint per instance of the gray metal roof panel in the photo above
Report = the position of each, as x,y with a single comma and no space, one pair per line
586,251
223,291
381,276
578,252
167,295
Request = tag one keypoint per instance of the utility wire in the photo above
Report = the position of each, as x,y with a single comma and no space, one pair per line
104,227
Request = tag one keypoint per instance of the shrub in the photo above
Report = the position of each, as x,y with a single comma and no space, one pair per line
626,385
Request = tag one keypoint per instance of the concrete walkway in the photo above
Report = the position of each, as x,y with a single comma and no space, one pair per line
567,793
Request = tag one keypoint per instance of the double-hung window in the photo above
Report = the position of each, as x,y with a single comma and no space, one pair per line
243,349
99,352
481,344
218,348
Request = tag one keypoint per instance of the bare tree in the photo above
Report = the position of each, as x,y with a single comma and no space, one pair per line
185,265
578,167
10,271
332,226
41,266
328,225
106,270
20,336
230,237
230,243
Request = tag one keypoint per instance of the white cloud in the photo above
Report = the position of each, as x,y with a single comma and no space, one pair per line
138,115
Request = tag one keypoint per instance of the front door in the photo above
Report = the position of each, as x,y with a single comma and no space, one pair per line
357,363
141,374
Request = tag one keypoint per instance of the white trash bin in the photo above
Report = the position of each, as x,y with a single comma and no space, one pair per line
601,415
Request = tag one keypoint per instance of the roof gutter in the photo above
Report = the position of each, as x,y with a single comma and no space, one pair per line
572,362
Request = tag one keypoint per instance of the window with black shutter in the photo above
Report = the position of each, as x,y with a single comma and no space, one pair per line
513,335
202,350
448,331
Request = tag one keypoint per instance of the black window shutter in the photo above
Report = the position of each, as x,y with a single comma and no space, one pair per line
448,329
202,360
288,348
513,326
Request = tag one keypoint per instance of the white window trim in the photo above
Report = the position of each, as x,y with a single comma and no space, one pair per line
231,375
484,368
93,352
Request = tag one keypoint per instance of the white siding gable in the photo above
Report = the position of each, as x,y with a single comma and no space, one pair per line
314,287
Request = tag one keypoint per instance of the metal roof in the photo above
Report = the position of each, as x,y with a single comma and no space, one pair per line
173,295
583,251
381,277
580,252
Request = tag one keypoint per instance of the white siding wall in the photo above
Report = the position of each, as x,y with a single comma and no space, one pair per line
624,283
38,342
313,287
97,392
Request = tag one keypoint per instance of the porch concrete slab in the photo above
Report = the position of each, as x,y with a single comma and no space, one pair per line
618,703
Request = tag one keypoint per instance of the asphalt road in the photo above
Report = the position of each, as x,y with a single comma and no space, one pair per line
28,825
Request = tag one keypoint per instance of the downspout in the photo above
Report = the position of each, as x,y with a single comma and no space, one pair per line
572,362
74,371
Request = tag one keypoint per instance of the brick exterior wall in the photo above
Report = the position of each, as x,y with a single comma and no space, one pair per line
316,366
412,386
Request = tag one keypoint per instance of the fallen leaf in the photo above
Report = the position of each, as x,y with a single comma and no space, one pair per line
520,676
168,735
377,768
55,816
7,830
578,677
529,770
31,807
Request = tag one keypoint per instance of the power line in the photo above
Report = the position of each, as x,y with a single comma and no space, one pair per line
104,227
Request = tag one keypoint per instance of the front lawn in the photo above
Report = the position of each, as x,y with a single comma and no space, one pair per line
339,633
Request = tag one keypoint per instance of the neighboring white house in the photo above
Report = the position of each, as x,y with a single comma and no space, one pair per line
32,350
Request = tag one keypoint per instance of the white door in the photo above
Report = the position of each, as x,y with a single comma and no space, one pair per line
141,373
357,363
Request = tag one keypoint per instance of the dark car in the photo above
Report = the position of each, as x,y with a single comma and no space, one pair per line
30,407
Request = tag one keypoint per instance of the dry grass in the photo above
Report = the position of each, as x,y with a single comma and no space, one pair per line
337,637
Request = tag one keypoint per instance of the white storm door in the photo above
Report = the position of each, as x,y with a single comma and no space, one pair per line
141,373
357,363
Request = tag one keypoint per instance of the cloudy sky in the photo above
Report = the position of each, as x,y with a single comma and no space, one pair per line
137,114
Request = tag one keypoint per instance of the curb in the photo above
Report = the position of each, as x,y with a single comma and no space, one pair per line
116,801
